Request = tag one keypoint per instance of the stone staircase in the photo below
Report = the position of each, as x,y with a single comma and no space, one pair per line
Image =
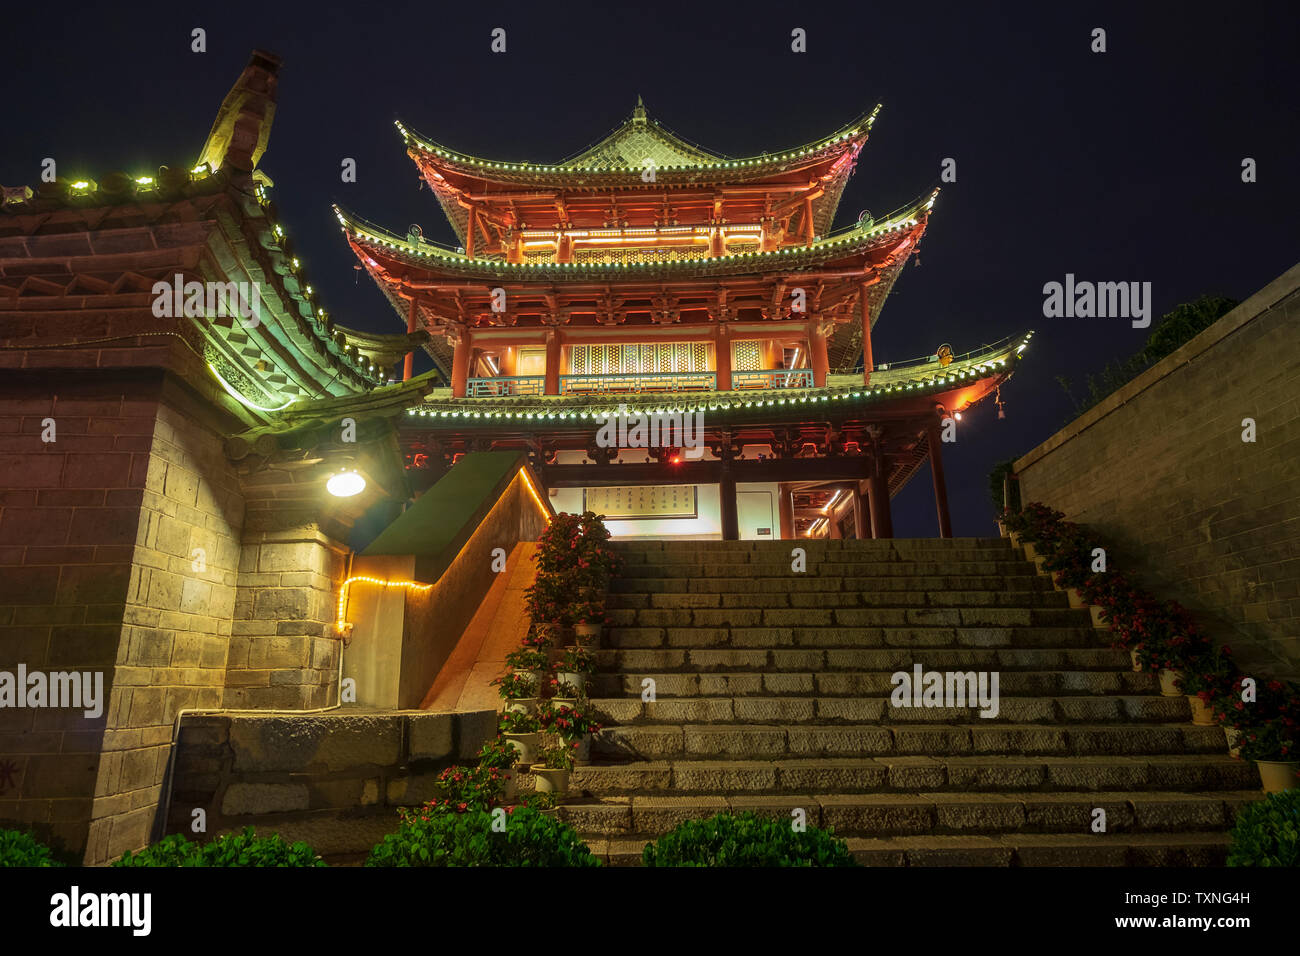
772,693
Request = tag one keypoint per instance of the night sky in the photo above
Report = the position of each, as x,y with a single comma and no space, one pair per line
1122,166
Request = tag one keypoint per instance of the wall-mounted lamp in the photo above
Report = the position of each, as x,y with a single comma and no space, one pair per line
345,483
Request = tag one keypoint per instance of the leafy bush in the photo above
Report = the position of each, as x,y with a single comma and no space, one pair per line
746,840
232,849
1268,832
18,848
528,838
996,476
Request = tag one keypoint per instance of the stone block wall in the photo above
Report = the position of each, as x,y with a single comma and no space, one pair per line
1160,469
334,780
283,653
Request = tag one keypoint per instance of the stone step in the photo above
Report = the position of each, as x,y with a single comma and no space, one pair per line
1062,616
815,544
629,711
916,638
1018,849
830,585
860,683
1191,772
767,741
637,662
880,815
1005,564
835,600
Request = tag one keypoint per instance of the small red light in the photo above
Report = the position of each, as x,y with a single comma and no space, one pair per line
677,459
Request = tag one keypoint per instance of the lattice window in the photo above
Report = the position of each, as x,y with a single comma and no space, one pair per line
640,359
747,356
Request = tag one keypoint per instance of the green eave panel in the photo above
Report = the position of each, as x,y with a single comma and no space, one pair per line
443,518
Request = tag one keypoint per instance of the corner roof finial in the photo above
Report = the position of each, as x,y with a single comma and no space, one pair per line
638,114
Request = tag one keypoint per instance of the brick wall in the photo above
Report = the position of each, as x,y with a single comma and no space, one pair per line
1160,469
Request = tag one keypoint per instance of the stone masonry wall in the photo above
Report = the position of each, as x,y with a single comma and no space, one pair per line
175,625
334,780
1161,470
283,654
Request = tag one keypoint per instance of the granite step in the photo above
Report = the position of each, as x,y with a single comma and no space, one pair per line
633,711
787,582
1019,849
1036,598
858,683
773,741
1005,564
822,775
1040,616
878,815
920,638
637,661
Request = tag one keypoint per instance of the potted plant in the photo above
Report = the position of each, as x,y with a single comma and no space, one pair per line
573,667
521,732
499,755
552,775
1206,678
563,694
588,621
1270,737
547,804
530,662
519,691
576,728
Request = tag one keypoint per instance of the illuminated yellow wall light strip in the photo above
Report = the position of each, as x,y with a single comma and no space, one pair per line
341,621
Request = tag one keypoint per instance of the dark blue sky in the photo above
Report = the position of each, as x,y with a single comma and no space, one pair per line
1122,166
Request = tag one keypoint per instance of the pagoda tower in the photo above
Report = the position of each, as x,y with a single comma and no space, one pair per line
648,276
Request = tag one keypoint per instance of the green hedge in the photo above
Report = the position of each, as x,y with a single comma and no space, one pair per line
18,848
746,840
523,837
233,849
1267,832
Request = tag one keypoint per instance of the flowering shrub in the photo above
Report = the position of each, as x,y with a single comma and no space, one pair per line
588,612
498,754
1209,676
558,758
527,659
746,840
516,686
1268,725
576,660
232,849
530,838
513,722
1267,832
18,848
569,722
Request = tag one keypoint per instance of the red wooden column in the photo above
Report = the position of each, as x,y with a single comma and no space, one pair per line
882,525
817,354
470,229
868,363
722,358
940,488
552,386
408,367
785,505
460,364
727,503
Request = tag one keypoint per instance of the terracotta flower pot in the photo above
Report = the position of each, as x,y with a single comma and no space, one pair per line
1098,617
1030,553
521,705
1076,598
1015,538
550,780
590,631
582,753
525,745
1202,713
1137,664
1168,682
1279,775
1002,529
564,701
